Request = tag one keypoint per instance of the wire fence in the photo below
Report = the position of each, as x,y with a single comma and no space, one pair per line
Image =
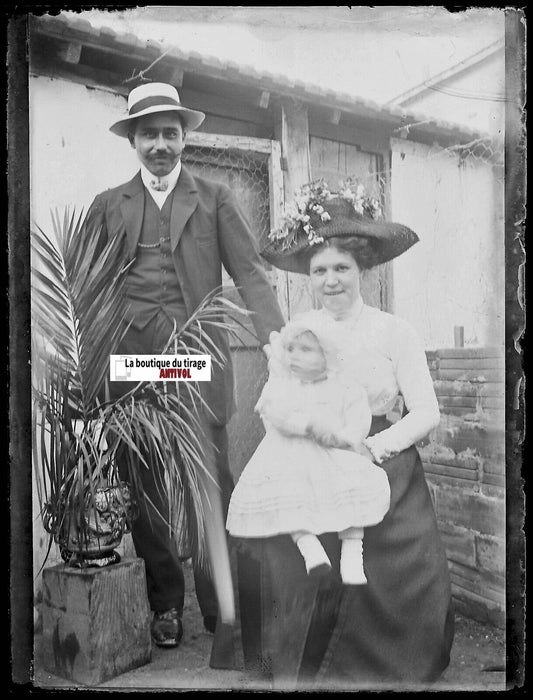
478,151
245,173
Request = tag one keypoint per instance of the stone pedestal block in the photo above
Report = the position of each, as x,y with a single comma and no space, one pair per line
96,621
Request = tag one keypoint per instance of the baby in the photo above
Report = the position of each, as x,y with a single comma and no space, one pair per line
306,477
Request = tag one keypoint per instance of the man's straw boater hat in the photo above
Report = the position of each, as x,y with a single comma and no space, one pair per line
318,215
151,99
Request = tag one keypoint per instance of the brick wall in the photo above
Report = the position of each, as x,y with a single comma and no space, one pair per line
464,462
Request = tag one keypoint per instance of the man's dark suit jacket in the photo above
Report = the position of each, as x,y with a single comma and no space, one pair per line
206,228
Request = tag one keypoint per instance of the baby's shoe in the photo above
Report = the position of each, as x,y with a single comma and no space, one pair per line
316,560
320,574
352,572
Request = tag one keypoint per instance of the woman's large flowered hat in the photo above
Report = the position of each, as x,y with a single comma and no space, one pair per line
318,214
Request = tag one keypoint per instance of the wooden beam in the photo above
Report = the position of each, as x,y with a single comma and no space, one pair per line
222,141
386,271
275,185
70,53
107,79
102,41
77,73
368,140
293,133
223,106
264,99
279,278
176,76
214,124
335,116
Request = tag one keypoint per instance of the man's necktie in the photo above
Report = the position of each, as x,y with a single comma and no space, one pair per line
159,185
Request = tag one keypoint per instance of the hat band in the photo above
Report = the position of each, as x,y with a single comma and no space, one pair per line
152,102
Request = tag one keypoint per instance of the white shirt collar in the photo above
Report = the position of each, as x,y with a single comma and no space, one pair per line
352,314
171,179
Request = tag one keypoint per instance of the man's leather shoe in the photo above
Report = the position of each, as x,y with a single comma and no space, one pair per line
210,623
167,628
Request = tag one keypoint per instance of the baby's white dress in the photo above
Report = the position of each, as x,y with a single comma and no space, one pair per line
292,482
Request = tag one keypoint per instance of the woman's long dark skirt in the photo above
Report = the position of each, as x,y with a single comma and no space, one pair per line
395,631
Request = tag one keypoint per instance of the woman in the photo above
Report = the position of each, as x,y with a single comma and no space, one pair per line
398,629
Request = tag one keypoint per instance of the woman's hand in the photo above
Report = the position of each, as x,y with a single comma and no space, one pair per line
363,450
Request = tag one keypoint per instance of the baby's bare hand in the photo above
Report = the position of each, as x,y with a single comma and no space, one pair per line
327,440
326,437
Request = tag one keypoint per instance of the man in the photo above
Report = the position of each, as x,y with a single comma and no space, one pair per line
179,228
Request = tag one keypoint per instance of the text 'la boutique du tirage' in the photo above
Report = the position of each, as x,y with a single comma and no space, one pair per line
150,368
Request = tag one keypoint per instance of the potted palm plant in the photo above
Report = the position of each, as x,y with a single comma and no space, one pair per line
79,317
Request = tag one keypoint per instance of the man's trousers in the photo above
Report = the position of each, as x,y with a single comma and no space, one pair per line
150,532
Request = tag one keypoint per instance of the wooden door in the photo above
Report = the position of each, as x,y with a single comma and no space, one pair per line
334,161
251,168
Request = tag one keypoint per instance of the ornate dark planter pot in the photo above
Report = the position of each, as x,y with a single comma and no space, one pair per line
93,542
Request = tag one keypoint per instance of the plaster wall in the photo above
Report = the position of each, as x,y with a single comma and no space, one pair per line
475,98
455,275
73,155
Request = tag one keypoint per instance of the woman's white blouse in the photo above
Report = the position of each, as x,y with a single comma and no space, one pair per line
385,355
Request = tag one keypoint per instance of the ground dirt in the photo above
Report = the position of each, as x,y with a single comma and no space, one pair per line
477,661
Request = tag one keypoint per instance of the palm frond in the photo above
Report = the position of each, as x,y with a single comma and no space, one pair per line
80,316
79,303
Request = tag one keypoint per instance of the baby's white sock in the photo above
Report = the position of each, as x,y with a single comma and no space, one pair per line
352,572
312,551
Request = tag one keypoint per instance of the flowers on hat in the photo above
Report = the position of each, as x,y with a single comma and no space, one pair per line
309,200
352,190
